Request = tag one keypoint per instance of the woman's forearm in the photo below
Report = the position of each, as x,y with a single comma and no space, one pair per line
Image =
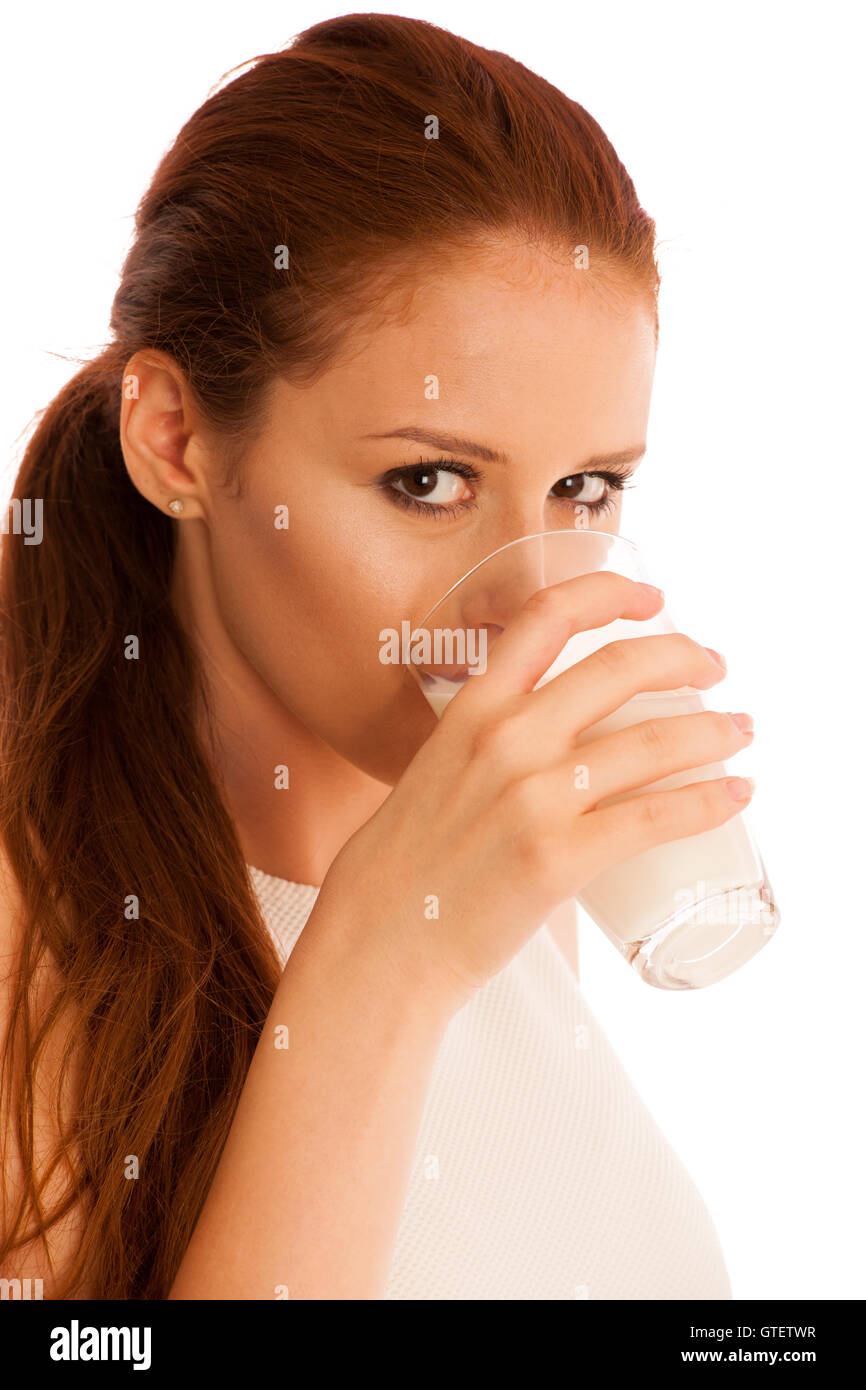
309,1190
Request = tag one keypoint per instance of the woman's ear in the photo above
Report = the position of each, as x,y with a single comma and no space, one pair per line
162,448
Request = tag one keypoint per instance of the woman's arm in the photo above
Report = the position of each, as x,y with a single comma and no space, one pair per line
309,1190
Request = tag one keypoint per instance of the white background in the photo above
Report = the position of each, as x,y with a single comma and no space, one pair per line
742,127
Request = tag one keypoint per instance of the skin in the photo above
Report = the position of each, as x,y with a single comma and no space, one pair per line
535,359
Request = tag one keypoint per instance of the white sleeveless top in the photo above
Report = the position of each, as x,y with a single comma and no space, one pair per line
538,1171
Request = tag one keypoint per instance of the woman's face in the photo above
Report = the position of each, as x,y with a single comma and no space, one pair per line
529,361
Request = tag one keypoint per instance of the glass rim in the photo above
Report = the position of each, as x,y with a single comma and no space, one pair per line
519,540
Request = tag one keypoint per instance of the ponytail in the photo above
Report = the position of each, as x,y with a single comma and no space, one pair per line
109,808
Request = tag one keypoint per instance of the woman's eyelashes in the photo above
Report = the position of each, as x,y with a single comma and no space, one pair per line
597,492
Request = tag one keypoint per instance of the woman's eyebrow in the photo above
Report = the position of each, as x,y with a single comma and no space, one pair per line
456,444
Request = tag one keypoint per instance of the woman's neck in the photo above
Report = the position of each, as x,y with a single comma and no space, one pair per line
291,831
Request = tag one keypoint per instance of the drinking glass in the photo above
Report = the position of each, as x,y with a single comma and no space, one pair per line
685,913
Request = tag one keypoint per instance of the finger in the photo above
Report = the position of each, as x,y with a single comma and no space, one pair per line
534,638
613,834
649,752
603,681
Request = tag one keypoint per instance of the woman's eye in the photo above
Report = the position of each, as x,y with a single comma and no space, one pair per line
426,485
595,488
440,490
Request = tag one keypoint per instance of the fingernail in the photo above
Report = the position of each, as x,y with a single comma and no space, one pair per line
651,589
740,788
718,657
744,722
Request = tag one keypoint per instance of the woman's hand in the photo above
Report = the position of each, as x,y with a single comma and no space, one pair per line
486,832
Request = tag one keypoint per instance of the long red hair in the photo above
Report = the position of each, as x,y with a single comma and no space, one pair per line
111,812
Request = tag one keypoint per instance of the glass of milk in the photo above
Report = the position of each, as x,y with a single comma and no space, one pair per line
685,913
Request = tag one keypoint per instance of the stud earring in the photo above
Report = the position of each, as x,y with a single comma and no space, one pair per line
175,505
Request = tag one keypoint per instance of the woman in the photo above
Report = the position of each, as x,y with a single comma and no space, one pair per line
241,1059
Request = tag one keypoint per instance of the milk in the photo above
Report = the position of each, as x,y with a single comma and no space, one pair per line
632,899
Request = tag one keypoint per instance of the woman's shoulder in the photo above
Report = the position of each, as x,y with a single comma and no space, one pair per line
31,1261
10,893
10,924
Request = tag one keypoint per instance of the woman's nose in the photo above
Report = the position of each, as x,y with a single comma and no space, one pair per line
490,596
498,589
